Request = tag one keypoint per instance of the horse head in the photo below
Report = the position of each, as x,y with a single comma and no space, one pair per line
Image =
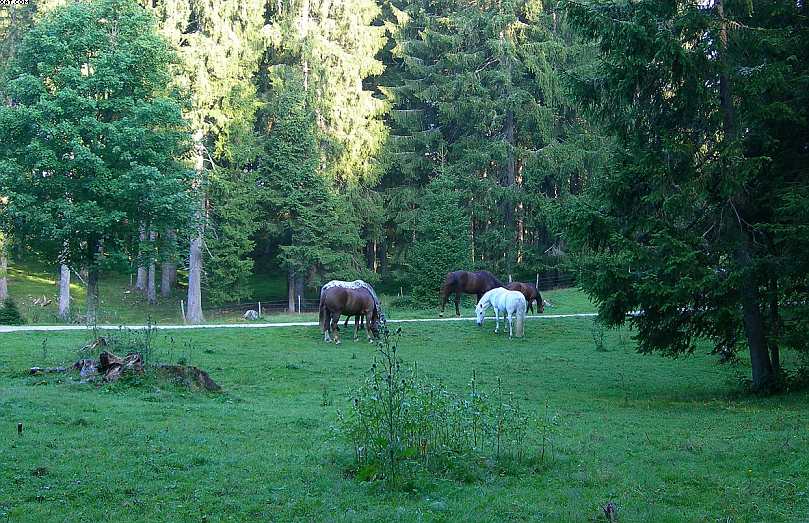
378,320
480,312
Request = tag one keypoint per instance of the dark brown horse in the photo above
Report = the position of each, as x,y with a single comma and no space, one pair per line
458,282
335,301
531,293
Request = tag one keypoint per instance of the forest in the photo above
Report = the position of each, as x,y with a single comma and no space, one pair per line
656,150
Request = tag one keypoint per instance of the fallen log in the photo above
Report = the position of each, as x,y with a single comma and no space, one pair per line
112,366
86,367
49,370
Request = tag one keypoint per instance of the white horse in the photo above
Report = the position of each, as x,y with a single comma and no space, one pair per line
510,303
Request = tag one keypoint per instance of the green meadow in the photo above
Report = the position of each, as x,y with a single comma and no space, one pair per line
663,439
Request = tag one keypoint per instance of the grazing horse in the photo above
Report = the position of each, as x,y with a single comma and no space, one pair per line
477,283
510,303
335,301
356,284
531,294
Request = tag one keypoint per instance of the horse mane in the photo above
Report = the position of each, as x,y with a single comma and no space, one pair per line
492,278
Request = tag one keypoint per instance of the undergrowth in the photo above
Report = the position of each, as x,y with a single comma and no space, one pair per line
402,423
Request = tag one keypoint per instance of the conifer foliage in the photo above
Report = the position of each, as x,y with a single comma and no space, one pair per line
700,223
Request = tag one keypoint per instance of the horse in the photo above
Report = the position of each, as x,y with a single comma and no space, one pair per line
505,301
335,301
531,294
359,321
477,283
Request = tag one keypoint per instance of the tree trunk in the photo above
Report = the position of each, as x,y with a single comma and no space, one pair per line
92,283
763,377
510,178
3,274
299,291
151,290
370,255
775,326
168,270
64,292
194,312
291,290
140,282
383,255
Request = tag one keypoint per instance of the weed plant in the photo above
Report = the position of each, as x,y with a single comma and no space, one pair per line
402,423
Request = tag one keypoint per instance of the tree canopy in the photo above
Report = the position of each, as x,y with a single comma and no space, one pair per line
92,141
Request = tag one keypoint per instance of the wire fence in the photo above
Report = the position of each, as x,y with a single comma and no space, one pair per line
544,282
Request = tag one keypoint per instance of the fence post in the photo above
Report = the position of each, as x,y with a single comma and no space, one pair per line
509,278
259,309
537,281
299,303
182,310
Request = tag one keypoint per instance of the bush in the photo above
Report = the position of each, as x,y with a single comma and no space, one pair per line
400,423
10,314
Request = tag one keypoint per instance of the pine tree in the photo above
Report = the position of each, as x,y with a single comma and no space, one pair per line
221,45
315,230
330,47
476,87
700,221
442,241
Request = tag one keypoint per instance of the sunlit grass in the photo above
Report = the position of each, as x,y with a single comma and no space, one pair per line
665,440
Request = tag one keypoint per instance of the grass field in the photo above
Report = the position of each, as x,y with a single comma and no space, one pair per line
665,440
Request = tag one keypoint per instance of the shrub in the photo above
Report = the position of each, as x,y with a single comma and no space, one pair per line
10,314
400,423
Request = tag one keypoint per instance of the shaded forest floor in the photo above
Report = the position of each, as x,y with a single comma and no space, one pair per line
665,440
121,304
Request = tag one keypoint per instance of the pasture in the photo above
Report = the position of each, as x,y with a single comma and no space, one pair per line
665,440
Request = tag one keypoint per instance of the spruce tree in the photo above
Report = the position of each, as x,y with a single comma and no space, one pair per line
699,225
442,241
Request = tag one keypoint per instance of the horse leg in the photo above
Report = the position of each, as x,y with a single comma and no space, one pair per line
457,302
356,327
327,326
335,326
496,320
346,322
510,329
531,306
367,317
444,296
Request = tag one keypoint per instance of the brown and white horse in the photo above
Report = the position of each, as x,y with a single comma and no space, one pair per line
335,301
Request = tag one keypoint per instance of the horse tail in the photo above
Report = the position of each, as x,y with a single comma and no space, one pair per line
322,313
519,328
